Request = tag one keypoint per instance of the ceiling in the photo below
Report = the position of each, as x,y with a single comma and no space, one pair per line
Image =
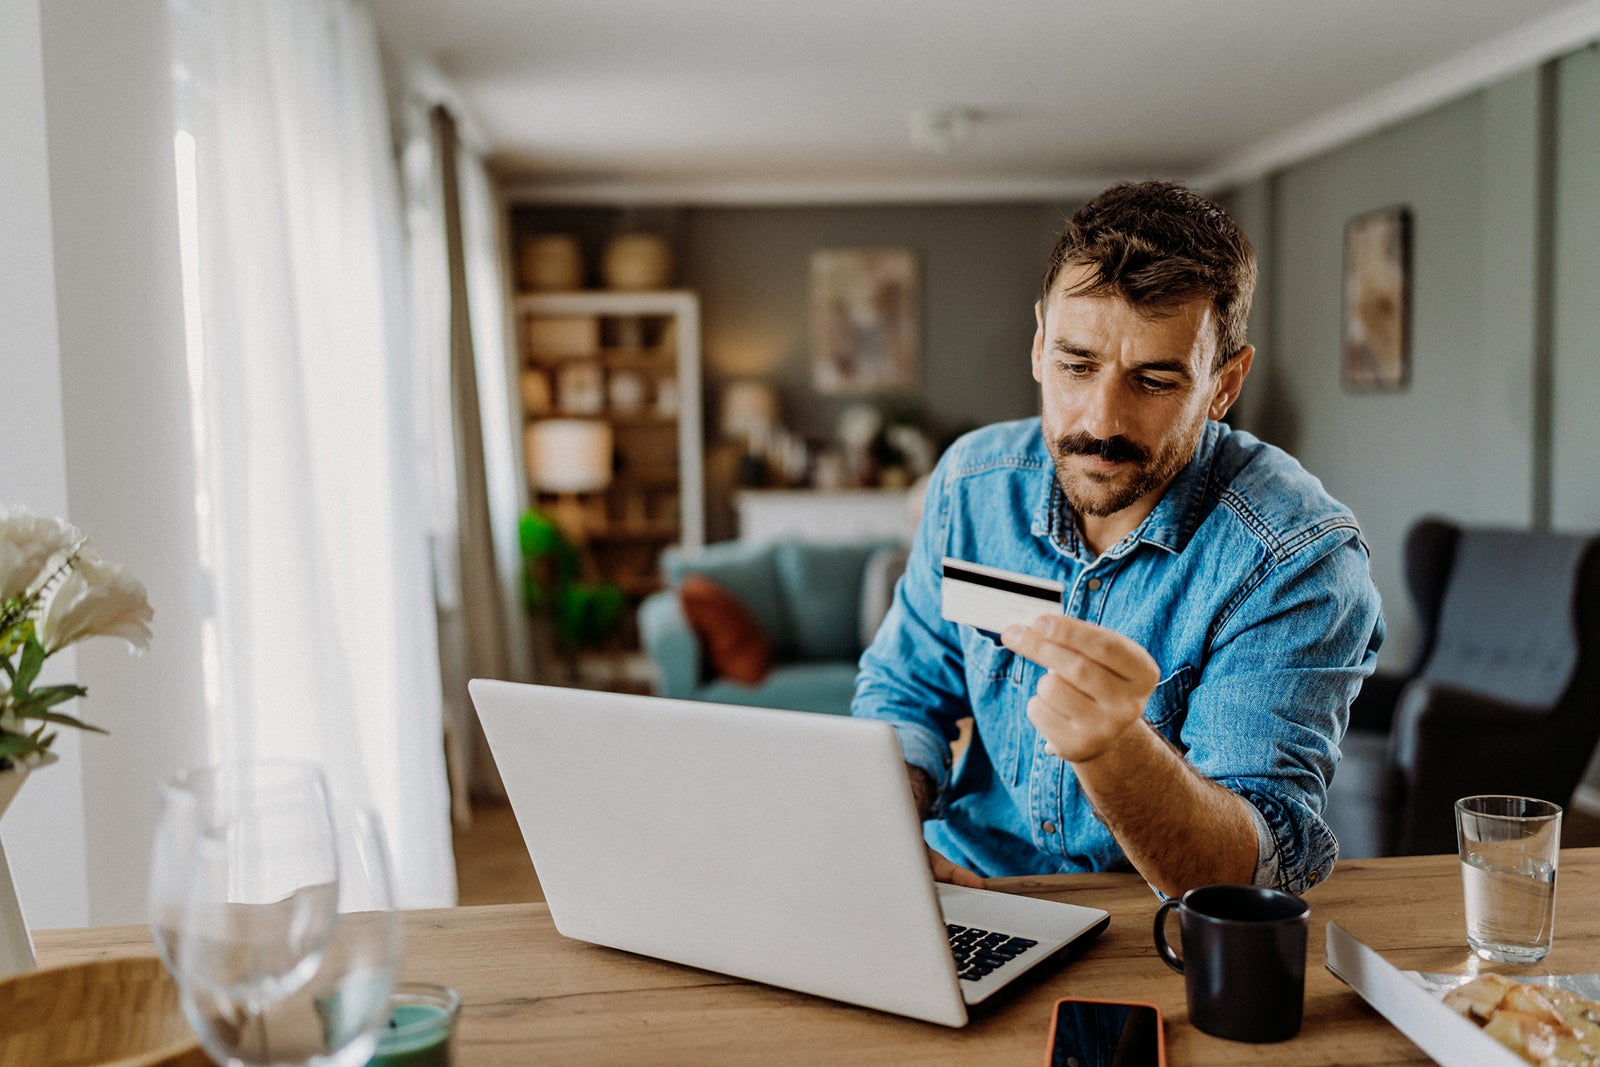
729,101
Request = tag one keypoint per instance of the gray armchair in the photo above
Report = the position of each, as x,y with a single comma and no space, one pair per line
1502,694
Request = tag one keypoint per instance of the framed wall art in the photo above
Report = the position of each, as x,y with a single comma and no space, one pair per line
1377,301
865,314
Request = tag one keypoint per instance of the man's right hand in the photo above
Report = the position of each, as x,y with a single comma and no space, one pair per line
945,871
922,793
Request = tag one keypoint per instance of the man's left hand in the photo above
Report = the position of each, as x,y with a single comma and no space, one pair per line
1095,686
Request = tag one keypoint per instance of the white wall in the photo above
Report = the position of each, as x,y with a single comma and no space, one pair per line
100,364
44,830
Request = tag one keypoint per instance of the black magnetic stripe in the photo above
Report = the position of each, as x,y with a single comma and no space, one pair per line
1008,585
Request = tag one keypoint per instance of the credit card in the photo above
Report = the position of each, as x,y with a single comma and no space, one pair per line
991,599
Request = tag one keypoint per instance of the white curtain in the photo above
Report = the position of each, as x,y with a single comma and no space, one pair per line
322,642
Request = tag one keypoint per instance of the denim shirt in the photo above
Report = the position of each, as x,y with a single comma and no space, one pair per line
1247,583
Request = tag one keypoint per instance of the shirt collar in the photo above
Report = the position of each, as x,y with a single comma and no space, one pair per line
1177,513
1053,519
1170,523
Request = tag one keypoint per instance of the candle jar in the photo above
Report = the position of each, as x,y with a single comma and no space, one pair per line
421,1023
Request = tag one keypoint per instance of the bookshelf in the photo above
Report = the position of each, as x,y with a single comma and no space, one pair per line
628,362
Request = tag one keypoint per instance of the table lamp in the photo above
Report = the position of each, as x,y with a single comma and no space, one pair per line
750,418
749,412
568,457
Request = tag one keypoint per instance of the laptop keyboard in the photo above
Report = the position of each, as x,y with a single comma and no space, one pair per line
979,952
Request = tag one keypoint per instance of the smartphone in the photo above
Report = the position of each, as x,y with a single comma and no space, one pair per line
1105,1033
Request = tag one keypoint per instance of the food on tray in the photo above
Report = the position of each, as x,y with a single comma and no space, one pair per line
1545,1025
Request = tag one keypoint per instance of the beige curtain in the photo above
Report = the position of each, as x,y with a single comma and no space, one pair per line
474,637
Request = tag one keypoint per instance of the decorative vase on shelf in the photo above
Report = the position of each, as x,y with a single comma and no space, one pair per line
636,262
16,945
552,262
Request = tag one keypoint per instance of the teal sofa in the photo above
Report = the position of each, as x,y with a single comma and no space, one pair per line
818,604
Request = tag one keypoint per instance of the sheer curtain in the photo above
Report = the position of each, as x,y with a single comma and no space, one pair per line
322,642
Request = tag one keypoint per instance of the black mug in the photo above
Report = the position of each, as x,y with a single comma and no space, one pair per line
1246,953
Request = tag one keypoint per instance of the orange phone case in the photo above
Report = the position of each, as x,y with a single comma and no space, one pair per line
1161,1034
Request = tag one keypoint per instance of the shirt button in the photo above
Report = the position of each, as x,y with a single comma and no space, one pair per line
1093,583
1048,827
1314,877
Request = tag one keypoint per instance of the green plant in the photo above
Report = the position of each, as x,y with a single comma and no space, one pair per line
581,613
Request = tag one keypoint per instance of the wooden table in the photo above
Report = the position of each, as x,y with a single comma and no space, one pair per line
532,996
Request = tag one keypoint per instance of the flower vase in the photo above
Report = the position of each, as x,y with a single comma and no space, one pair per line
16,944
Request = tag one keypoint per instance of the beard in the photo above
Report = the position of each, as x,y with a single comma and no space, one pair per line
1144,471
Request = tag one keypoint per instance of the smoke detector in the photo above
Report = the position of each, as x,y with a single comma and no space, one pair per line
941,130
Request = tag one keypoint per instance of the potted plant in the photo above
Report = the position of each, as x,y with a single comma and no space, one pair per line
569,613
55,591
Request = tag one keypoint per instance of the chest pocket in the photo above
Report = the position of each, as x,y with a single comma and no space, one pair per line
1166,708
999,683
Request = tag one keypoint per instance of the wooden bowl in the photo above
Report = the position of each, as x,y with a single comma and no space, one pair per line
112,1013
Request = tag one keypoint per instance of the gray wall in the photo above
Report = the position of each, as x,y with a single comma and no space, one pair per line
1459,440
980,274
1498,424
1575,334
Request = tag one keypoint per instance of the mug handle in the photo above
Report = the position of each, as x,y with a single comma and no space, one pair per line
1164,950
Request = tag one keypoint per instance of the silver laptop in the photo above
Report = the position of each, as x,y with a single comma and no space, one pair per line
778,846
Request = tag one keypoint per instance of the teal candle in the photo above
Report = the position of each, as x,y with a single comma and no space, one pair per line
420,1024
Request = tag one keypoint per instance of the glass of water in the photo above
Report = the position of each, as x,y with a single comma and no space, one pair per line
1509,848
264,829
272,905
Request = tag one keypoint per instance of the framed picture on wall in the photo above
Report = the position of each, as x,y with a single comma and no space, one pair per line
1377,300
865,315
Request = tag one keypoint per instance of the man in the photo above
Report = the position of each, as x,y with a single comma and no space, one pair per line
1183,715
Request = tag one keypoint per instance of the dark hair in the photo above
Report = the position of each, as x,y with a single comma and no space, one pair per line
1158,245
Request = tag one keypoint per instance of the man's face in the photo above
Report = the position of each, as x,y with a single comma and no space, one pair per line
1126,397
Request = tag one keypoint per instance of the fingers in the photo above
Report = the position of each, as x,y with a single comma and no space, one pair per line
1078,678
1091,658
1095,685
945,871
1077,734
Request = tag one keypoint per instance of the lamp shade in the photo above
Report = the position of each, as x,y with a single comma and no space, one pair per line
749,410
569,455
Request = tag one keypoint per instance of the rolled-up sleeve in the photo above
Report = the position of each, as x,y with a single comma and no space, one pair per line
911,675
1274,699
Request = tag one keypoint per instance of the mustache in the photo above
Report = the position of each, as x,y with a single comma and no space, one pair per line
1117,449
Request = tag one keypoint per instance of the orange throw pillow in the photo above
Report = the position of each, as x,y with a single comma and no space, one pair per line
727,630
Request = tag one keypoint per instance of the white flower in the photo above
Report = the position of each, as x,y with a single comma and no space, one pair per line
31,548
96,599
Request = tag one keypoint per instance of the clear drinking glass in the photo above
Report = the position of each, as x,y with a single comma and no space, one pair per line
274,910
273,822
1509,849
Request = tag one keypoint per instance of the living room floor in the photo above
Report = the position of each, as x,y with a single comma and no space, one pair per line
492,865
